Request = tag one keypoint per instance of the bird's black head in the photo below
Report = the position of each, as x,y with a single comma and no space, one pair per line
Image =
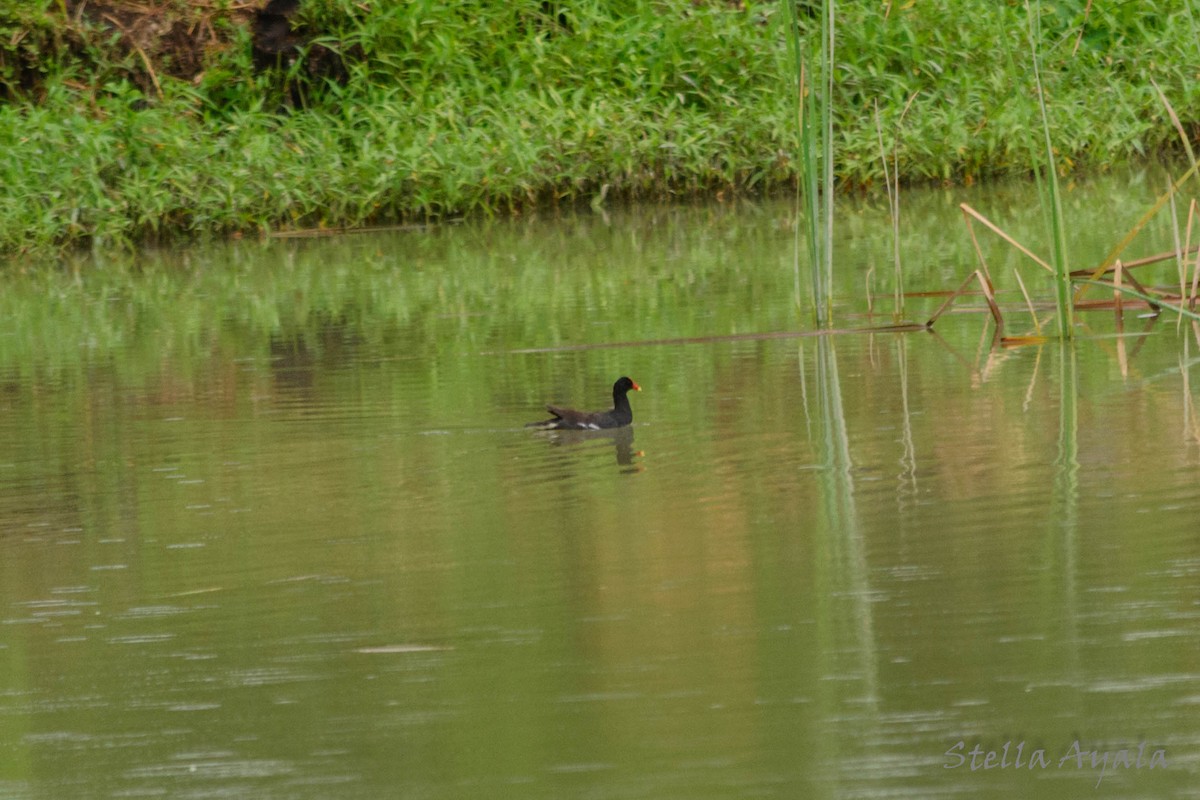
623,385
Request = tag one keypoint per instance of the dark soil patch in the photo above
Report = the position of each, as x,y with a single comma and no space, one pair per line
167,38
147,41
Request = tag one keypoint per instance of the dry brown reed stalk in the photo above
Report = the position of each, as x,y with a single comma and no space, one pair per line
969,212
1136,262
984,277
989,296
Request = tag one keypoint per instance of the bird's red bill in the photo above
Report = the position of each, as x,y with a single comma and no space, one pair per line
636,388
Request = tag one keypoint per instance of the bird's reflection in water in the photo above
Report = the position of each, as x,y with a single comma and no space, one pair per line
621,438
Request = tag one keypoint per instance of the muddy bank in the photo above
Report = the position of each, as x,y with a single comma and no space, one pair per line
147,42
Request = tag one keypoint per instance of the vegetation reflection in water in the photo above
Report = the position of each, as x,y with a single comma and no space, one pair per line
270,525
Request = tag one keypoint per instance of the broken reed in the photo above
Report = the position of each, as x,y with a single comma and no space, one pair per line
1123,282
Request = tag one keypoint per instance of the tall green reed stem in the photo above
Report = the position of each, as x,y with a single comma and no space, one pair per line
814,118
1062,277
891,181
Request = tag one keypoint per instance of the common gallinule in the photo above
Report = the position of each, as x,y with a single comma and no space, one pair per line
618,416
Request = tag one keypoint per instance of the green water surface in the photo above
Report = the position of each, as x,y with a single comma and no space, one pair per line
271,525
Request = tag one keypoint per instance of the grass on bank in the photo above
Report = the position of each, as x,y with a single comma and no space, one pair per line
478,107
